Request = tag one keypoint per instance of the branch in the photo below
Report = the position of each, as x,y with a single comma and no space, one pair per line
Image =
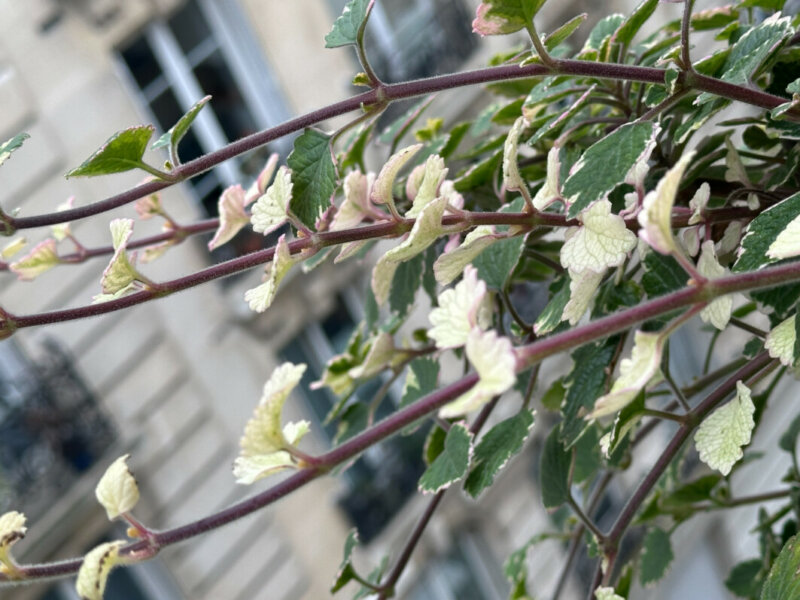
400,91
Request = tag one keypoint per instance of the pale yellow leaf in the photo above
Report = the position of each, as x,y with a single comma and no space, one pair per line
551,190
232,215
269,211
117,490
722,435
433,176
460,309
450,265
260,298
97,564
582,287
495,362
249,469
718,311
382,191
12,529
512,180
41,258
780,341
603,241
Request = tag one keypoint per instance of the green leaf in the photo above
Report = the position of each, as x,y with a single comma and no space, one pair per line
174,136
692,492
434,444
584,384
781,300
604,29
313,176
751,51
345,29
497,262
346,571
554,396
745,579
7,147
123,151
554,467
788,440
406,282
494,450
420,380
587,455
550,317
563,32
632,25
606,163
452,464
782,582
662,275
763,231
624,423
656,556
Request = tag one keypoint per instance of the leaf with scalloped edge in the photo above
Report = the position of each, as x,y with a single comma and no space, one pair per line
120,273
606,593
345,29
602,241
718,311
232,215
450,265
723,433
96,567
606,163
582,287
494,359
123,151
782,583
383,188
495,449
634,374
497,17
781,340
346,572
12,529
452,463
41,258
763,231
117,490
260,298
656,215
10,145
426,229
512,179
554,466
656,556
433,174
313,176
459,310
270,210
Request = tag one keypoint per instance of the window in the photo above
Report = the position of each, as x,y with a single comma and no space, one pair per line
51,429
205,48
417,38
386,475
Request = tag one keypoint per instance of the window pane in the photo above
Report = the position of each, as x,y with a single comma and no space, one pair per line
215,78
189,26
142,62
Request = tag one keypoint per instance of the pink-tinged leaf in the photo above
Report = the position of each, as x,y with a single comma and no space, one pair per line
41,258
259,186
232,216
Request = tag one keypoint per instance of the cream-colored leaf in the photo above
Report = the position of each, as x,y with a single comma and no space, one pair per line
249,469
100,298
232,215
690,240
735,171
119,273
450,265
117,490
378,358
698,203
356,201
780,341
433,176
260,298
656,215
148,207
787,244
718,311
551,190
582,287
460,309
427,228
603,241
269,211
494,359
730,238
350,250
41,258
259,186
606,593
512,180
156,251
12,529
13,248
296,431
93,574
263,433
384,184
634,374
722,435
